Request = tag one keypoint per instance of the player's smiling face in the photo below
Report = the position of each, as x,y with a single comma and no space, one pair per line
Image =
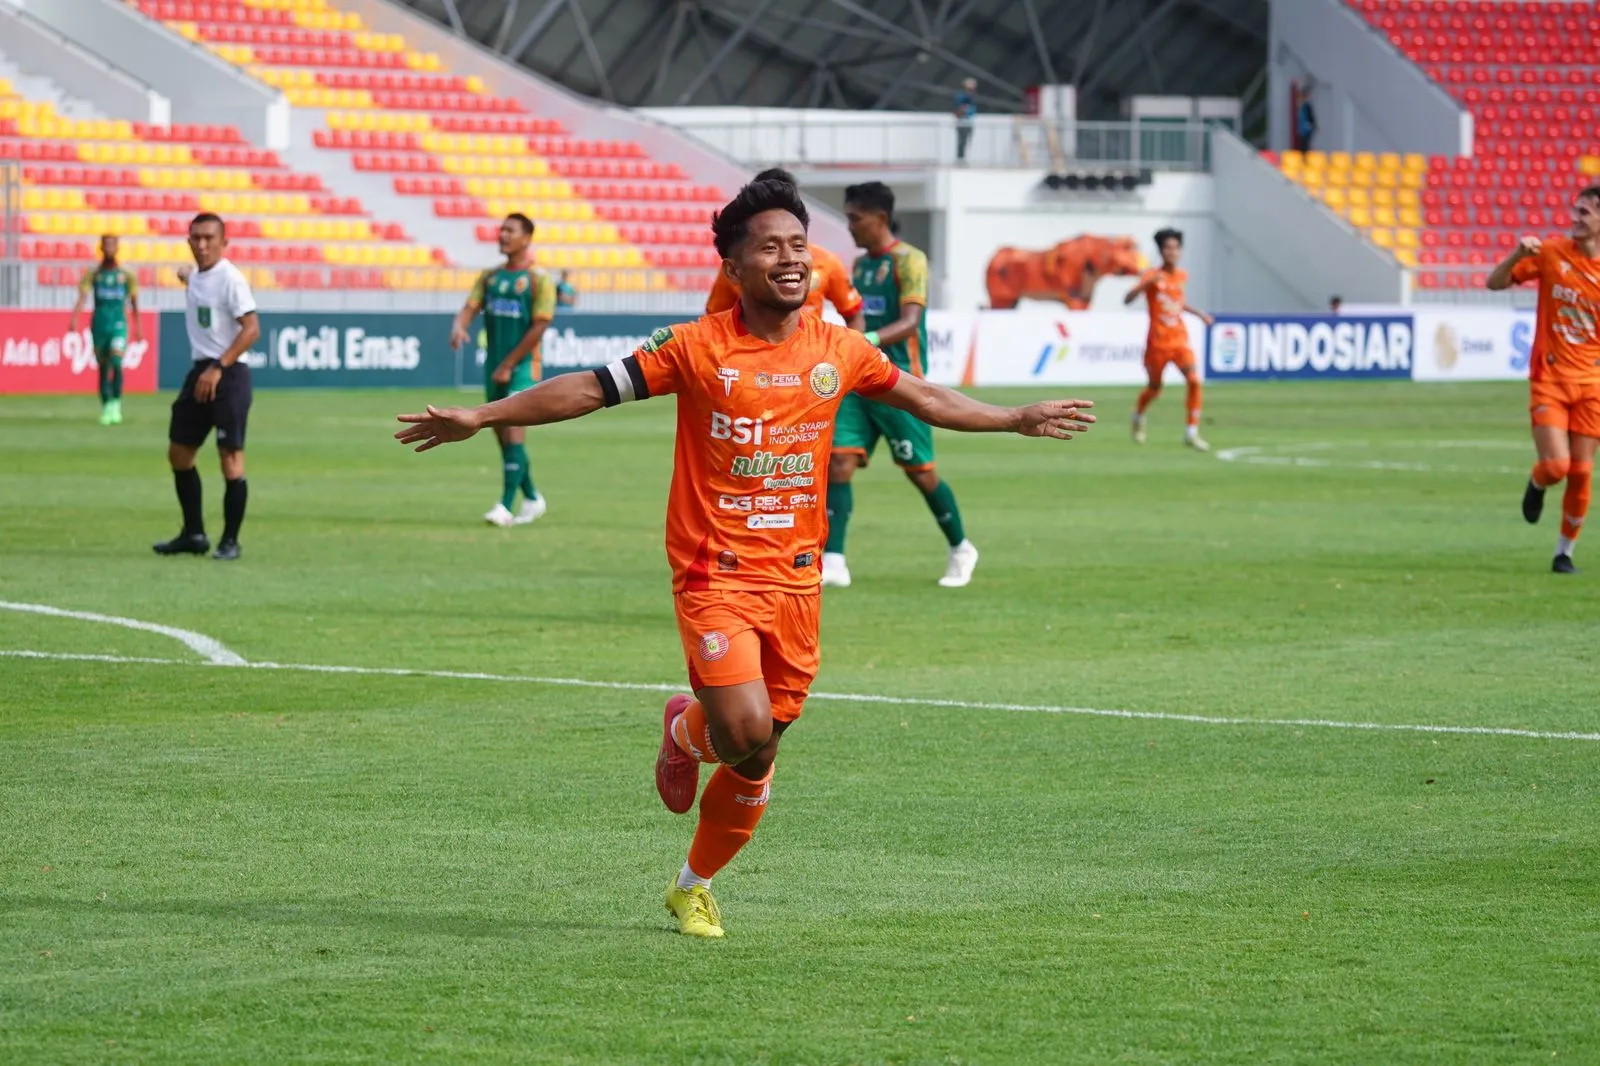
773,263
1585,218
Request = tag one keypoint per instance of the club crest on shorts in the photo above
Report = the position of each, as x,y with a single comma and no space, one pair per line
825,380
713,646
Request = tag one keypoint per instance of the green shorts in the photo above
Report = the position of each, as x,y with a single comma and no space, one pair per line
109,344
862,421
521,378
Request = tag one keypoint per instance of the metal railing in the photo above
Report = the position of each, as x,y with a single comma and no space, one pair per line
1462,285
932,140
10,234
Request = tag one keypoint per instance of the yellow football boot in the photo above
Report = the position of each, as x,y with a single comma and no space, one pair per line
696,911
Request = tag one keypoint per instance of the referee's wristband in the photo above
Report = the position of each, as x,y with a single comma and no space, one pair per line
872,337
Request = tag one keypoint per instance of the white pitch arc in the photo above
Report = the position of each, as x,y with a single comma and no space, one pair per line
210,649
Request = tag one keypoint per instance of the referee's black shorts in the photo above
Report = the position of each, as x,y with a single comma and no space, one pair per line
227,413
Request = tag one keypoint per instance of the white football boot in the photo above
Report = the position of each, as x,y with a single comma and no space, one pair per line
958,571
835,574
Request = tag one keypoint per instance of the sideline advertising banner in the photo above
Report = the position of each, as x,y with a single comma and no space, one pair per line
37,354
324,349
1466,344
950,346
1067,347
1310,346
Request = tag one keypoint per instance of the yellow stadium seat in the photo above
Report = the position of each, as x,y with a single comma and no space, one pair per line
1415,161
1408,197
1412,179
1315,160
1383,238
1406,256
1337,177
1333,196
1340,160
1405,238
1359,217
1389,161
1410,216
1390,178
1359,197
1365,161
1383,216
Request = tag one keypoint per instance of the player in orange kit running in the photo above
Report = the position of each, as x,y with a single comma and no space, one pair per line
1564,371
758,389
1168,341
830,278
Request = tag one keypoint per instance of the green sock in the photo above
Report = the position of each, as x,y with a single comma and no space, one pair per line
942,502
528,491
116,379
841,501
105,380
514,467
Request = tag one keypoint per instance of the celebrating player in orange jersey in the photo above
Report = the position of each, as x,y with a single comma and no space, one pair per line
830,278
758,390
1564,371
1168,340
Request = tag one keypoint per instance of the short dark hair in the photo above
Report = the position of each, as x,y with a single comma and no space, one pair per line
522,220
1592,192
872,195
731,225
777,174
207,216
1166,234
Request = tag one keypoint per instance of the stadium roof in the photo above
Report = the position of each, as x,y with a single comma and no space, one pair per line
869,54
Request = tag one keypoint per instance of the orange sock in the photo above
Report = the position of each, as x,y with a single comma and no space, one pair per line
730,807
1575,502
1547,472
1191,401
1146,398
692,733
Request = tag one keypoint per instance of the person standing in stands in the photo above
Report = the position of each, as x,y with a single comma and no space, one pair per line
966,111
566,295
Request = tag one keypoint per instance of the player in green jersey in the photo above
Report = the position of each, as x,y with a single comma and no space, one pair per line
115,291
518,303
892,278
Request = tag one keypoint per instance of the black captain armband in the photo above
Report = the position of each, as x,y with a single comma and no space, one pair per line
622,381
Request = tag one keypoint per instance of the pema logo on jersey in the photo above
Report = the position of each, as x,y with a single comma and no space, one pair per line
825,380
713,646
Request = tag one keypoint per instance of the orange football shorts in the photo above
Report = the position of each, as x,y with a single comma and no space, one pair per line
732,636
1572,406
1156,359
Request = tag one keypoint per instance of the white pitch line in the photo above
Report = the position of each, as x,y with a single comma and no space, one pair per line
213,650
1260,456
840,697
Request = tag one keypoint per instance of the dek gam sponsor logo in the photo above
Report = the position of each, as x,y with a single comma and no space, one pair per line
1312,347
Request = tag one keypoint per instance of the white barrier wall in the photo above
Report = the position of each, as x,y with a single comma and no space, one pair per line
1472,345
38,49
1292,252
978,212
1367,96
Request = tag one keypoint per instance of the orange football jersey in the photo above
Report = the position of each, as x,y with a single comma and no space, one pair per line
1566,344
748,506
1166,302
830,280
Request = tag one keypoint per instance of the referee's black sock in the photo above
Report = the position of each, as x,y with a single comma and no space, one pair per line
234,495
187,483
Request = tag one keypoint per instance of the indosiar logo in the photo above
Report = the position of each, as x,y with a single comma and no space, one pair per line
1313,347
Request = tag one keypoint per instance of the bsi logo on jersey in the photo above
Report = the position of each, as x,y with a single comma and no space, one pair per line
737,430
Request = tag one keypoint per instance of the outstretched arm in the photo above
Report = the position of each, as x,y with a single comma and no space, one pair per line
556,400
949,409
1201,315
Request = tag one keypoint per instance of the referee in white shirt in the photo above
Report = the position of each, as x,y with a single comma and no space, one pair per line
221,319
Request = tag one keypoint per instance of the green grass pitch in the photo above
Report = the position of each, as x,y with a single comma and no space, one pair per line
208,864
